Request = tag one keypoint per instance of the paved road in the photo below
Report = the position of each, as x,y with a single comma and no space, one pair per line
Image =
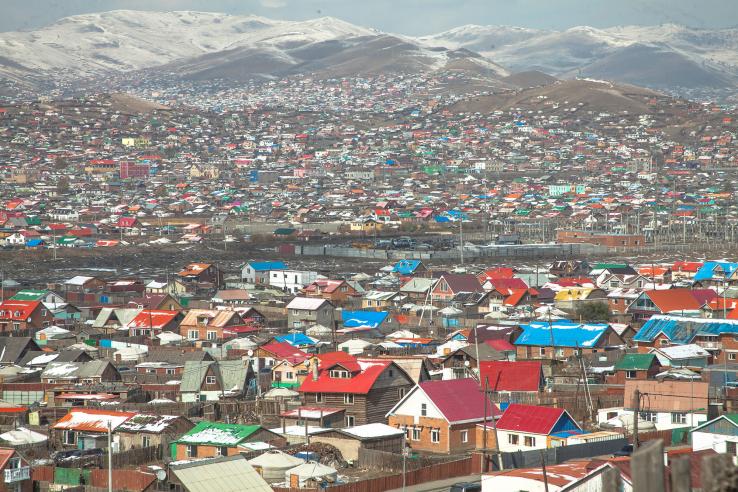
440,485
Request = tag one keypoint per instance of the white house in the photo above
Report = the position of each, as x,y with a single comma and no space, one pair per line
720,434
16,239
291,280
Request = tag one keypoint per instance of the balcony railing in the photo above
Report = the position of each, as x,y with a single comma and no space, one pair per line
17,474
710,345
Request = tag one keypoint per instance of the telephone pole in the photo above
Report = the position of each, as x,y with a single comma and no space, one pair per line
636,411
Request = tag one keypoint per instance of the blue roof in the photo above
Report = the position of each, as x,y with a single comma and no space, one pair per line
34,242
363,319
295,339
405,267
682,330
708,269
264,266
565,333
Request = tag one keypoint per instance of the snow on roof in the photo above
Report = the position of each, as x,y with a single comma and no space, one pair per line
61,369
305,303
42,359
142,422
21,435
78,280
92,420
684,351
373,430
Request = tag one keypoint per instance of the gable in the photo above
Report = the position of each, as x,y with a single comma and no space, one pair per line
412,404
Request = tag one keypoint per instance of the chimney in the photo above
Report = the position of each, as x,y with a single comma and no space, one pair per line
315,369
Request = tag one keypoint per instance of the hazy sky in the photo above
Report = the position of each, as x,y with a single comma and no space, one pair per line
412,17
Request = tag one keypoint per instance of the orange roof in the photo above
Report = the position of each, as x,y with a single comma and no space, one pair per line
92,420
514,298
194,269
671,300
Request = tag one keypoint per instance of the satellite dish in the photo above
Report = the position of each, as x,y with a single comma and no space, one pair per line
466,363
250,353
161,475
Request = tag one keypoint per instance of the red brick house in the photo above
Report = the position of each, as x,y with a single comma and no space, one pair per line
23,315
434,420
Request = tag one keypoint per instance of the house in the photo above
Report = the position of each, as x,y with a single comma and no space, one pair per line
201,273
512,377
319,417
208,324
670,404
716,274
434,421
87,428
144,430
270,354
690,355
306,311
685,270
670,301
379,300
573,297
561,339
569,268
417,288
362,320
14,349
215,439
112,319
366,388
451,284
258,272
350,440
292,281
338,292
231,297
225,474
406,268
215,380
15,470
526,427
88,373
151,322
635,366
716,336
162,301
18,316
719,434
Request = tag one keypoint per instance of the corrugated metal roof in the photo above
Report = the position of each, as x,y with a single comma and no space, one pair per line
561,333
682,330
231,474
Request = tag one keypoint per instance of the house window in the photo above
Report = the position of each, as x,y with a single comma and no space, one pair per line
648,416
348,399
543,350
350,420
678,418
464,436
401,393
191,451
337,373
416,434
69,437
663,342
289,375
391,373
732,355
170,371
530,441
145,441
212,335
318,397
221,451
210,380
435,435
630,374
423,410
193,334
730,448
513,439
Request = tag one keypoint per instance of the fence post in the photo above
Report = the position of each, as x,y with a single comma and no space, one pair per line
648,467
681,479
611,480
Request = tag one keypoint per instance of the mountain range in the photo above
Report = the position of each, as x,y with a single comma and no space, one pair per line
201,46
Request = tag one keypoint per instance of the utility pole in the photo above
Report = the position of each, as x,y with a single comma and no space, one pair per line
636,411
545,476
110,456
461,238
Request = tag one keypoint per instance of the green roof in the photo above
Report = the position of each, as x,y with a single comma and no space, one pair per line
218,434
28,295
605,266
635,362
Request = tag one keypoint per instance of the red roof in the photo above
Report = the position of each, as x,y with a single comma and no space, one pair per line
687,266
501,345
360,381
495,273
17,310
671,300
504,285
511,376
286,351
446,395
154,318
515,297
530,418
126,221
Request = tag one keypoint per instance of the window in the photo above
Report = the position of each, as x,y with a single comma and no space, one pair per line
401,392
340,373
150,371
664,342
630,374
730,448
191,451
170,371
69,437
145,441
416,434
648,416
193,334
678,418
543,351
350,420
289,375
513,439
436,435
530,441
318,397
348,399
210,380
391,373
423,410
464,436
732,355
221,451
212,335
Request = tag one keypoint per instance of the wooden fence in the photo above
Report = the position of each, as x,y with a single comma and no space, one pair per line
124,459
441,471
717,474
373,459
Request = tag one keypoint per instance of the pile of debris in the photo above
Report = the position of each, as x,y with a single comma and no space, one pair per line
328,455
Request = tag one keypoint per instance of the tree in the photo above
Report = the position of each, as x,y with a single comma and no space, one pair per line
593,311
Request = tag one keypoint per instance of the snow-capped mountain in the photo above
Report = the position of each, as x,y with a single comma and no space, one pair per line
658,56
204,44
